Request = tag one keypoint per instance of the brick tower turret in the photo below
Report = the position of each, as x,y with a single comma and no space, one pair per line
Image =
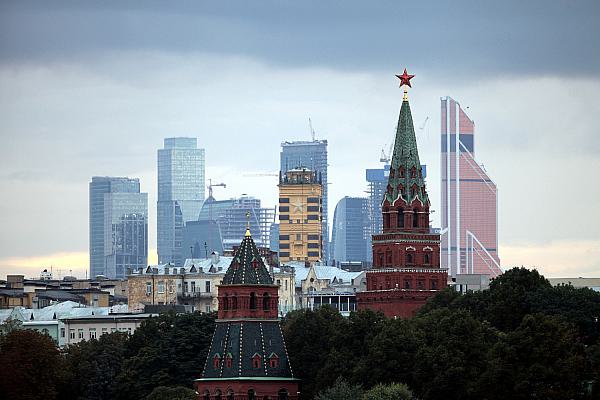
247,357
406,257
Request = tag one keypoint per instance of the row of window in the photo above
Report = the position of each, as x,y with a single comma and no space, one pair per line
160,286
420,285
409,258
281,395
91,332
313,200
299,237
232,302
227,361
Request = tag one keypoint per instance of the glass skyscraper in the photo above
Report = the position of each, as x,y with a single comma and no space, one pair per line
311,155
118,226
180,194
351,230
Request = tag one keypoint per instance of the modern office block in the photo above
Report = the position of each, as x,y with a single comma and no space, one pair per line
351,230
469,199
300,216
311,155
118,221
180,194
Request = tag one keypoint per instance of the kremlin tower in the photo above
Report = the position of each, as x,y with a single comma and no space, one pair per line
247,357
406,256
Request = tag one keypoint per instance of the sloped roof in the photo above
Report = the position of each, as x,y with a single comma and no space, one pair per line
247,266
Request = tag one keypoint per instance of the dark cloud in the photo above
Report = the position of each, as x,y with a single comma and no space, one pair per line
465,37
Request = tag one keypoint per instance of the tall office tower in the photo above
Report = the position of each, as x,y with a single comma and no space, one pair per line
351,230
300,213
406,256
231,219
180,194
469,199
377,180
118,226
311,155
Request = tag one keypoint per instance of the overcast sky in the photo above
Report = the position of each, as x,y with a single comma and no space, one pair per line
92,88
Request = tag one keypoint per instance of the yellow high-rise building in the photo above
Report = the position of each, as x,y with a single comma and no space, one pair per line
300,215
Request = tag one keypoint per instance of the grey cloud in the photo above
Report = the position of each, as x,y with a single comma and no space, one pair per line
457,39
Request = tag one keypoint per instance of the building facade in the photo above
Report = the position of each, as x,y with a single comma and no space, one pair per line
247,358
469,199
350,238
406,256
300,216
118,225
78,329
180,194
311,155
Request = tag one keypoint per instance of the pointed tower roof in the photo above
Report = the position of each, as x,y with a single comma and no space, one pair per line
406,160
247,266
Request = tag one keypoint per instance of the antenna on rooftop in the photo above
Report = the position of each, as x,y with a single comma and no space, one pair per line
312,131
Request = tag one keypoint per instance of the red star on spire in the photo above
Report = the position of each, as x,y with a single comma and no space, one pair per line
405,78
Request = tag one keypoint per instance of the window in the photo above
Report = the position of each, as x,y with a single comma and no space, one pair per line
255,361
285,282
266,302
284,208
171,287
406,284
282,394
251,394
409,258
148,288
217,394
400,218
253,301
71,333
104,331
161,286
298,236
278,282
185,287
284,245
92,333
80,333
313,254
415,219
207,286
216,361
234,304
229,360
284,199
313,217
313,245
62,332
225,304
112,330
206,395
426,258
193,283
433,284
230,394
312,208
284,254
273,360
313,200
284,237
313,237
283,217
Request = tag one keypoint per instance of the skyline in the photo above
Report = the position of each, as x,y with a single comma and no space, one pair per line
67,100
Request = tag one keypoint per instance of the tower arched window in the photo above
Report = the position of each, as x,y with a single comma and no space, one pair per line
401,172
230,394
409,258
413,172
256,360
229,360
266,302
253,301
251,394
206,395
216,361
386,218
401,218
234,304
415,219
282,394
426,258
225,302
273,360
218,395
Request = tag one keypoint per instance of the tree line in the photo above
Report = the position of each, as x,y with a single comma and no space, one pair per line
521,339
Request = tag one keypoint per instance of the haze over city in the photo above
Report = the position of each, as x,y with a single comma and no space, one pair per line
92,89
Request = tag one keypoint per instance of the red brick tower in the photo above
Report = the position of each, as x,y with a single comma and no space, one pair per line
247,359
406,257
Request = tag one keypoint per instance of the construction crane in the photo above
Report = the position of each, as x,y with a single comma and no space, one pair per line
424,124
386,158
210,187
312,131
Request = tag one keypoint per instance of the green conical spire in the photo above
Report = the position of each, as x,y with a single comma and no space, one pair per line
406,160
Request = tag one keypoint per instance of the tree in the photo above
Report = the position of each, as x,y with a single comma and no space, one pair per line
93,366
392,391
452,355
540,359
172,393
31,366
341,390
310,337
169,350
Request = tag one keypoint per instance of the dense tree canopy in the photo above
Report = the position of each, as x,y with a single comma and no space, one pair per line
520,339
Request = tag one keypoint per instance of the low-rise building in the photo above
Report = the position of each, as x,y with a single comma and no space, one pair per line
592,283
195,284
77,329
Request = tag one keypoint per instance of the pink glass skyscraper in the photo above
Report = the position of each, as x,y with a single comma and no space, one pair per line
469,199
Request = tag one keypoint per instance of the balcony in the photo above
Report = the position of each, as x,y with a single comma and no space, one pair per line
195,295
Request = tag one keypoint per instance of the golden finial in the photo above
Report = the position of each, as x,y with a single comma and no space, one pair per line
248,223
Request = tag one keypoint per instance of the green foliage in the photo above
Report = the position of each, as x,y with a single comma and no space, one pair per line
94,365
31,366
10,325
341,390
172,393
392,391
169,350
